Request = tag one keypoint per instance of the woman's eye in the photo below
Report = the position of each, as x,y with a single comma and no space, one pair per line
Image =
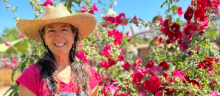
64,30
51,31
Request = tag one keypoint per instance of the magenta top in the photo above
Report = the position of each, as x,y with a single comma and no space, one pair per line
30,78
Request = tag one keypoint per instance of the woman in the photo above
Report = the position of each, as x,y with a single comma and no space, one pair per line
59,72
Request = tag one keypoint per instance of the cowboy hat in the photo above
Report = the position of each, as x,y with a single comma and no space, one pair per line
85,22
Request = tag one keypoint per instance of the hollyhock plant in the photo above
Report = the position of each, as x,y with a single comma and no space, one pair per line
138,60
91,11
83,9
7,43
164,65
179,11
104,64
160,40
110,88
48,2
150,64
179,74
201,18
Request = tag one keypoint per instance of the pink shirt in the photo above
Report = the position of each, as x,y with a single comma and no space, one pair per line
30,78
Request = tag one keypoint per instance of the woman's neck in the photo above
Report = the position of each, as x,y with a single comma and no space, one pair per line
63,61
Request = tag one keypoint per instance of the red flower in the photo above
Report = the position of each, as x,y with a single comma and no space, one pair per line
208,62
126,66
183,45
137,76
158,94
160,40
156,70
155,37
7,43
173,37
175,27
104,64
121,49
83,9
201,18
153,84
94,7
135,66
107,50
150,64
188,31
91,11
127,34
189,13
48,2
164,65
111,62
81,56
20,35
138,60
134,19
196,48
121,19
143,70
160,19
111,32
202,4
194,82
14,61
121,57
180,11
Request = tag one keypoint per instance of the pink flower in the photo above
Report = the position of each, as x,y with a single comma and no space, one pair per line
137,76
20,35
128,38
121,19
94,7
138,60
126,66
143,70
83,9
153,84
158,94
180,11
121,49
121,57
6,62
110,88
107,50
118,37
14,61
155,70
104,64
134,19
201,18
150,64
127,34
179,75
48,2
214,93
196,48
7,43
211,71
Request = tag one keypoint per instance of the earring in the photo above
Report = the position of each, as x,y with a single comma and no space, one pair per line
46,50
73,48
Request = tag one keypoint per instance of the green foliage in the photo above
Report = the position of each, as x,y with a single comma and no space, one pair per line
10,34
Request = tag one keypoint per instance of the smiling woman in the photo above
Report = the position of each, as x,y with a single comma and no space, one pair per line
59,72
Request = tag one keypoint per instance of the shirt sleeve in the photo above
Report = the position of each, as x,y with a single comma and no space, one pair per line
30,79
94,78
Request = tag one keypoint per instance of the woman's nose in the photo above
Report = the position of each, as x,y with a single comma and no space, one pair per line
58,35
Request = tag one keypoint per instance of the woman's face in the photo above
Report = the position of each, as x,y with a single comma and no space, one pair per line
59,38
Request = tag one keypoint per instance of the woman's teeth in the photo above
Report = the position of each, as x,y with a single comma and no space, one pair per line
60,44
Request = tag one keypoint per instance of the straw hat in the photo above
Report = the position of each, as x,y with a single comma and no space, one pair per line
85,22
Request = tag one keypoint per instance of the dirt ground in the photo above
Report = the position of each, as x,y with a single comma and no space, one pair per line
3,90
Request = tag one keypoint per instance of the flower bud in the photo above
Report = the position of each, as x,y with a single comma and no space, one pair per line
17,19
31,3
41,11
201,33
6,1
36,0
14,9
36,14
7,6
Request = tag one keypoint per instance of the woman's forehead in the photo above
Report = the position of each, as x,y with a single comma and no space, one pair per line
53,25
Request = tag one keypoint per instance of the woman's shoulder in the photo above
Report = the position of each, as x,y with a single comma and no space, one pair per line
32,69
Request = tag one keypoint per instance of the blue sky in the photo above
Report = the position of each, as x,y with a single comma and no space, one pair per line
145,9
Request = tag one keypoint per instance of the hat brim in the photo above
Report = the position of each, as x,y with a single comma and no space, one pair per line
85,22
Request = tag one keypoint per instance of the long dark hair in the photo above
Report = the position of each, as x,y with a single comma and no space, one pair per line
79,69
